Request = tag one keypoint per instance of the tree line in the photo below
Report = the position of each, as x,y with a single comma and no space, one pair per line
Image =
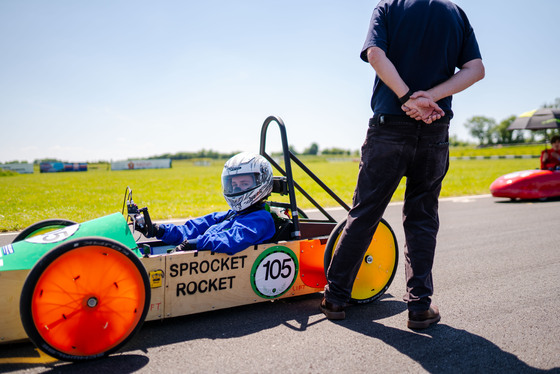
488,132
484,129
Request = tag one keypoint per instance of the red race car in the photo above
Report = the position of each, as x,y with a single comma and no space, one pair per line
527,185
531,184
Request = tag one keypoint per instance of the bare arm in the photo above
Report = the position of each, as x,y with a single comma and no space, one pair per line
386,71
469,74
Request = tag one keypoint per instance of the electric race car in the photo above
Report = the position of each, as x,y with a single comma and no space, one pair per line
527,185
81,291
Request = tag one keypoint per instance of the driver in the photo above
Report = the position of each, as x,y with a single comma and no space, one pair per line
550,158
246,182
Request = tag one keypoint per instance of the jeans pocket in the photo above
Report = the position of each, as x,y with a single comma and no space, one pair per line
383,144
437,160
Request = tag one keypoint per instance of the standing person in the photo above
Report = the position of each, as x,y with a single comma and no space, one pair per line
414,47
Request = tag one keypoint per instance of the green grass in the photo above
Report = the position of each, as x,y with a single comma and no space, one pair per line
498,150
465,177
7,173
188,190
81,196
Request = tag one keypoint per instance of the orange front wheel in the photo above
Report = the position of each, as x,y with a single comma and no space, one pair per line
84,299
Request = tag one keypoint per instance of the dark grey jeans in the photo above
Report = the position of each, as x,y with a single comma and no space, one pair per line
395,147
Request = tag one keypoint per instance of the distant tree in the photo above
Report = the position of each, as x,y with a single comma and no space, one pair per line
38,161
14,162
454,141
551,132
335,151
199,154
501,134
555,104
481,128
312,150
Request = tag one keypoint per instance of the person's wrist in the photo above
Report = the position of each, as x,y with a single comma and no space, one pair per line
406,97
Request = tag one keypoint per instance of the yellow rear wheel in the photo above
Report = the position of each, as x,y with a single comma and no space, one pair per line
379,264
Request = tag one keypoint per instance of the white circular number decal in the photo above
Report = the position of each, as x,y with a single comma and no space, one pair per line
274,272
54,236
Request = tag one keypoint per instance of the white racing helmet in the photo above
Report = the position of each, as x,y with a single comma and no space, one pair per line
246,180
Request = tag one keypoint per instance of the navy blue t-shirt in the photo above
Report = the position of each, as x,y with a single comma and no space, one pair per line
425,40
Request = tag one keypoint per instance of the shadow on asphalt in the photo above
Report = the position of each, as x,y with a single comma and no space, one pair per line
529,201
439,349
124,363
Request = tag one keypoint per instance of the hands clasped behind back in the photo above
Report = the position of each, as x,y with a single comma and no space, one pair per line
422,107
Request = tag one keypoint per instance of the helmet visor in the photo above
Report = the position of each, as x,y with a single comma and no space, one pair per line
239,184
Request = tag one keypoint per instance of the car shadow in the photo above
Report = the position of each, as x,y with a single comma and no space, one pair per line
528,201
126,363
234,322
438,349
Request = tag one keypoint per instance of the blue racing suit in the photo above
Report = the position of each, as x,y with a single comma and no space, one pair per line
223,232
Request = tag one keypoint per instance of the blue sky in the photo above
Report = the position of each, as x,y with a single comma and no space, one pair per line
109,80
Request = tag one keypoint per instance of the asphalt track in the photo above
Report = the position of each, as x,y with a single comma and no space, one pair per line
497,279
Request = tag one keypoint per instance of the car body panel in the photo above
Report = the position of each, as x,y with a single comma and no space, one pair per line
527,184
181,283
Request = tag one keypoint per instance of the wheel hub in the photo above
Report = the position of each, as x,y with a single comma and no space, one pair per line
92,302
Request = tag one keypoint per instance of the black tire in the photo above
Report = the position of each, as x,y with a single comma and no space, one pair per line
378,267
302,214
85,299
42,227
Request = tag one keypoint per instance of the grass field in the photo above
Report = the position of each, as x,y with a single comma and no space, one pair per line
188,190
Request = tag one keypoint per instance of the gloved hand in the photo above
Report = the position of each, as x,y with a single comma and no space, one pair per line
184,246
148,230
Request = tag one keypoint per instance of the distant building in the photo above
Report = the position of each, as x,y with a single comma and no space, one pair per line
164,163
18,168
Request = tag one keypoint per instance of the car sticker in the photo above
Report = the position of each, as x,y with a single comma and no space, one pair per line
6,250
274,272
54,236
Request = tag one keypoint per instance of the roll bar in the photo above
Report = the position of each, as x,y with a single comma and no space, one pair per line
291,183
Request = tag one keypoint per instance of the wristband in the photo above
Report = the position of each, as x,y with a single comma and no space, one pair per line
406,96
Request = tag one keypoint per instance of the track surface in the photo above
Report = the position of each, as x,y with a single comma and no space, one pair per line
497,279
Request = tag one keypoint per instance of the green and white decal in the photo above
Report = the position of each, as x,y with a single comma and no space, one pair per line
274,272
54,236
25,253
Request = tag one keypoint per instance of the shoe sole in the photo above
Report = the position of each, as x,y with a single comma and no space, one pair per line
419,325
333,315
